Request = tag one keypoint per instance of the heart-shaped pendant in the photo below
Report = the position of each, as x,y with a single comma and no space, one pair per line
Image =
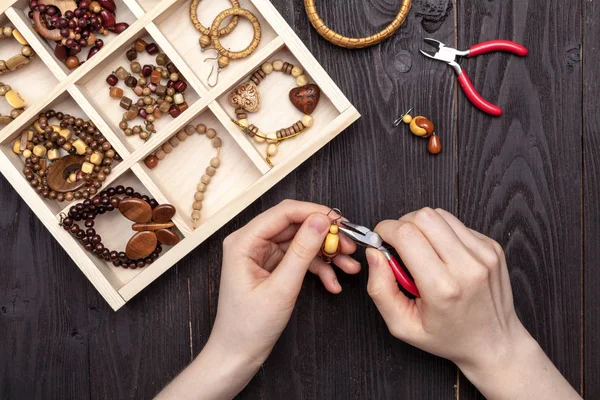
305,98
246,96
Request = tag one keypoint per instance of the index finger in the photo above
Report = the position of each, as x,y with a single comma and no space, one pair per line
416,252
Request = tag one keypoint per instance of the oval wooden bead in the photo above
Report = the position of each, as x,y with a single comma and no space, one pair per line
141,245
136,210
14,99
152,226
167,237
435,145
163,213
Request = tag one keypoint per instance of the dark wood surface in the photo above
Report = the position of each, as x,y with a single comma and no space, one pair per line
530,179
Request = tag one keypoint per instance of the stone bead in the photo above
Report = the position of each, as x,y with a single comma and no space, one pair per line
155,77
199,196
216,142
7,31
297,71
116,92
135,67
71,62
277,65
152,49
211,133
215,162
178,98
126,103
140,45
201,128
197,205
112,80
131,82
308,121
181,135
131,54
151,161
121,73
267,68
205,179
162,59
160,154
272,149
302,80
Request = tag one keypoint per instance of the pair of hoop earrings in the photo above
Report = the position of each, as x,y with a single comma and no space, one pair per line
212,36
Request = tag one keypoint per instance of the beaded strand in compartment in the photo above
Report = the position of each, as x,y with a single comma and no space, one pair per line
152,161
14,100
19,60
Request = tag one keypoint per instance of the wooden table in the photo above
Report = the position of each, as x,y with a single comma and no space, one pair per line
530,180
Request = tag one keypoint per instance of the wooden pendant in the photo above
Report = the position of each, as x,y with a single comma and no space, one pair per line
163,213
246,96
60,170
141,245
421,126
40,26
435,145
136,210
167,237
305,98
331,246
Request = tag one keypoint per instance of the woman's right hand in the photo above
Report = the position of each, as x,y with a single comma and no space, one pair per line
465,312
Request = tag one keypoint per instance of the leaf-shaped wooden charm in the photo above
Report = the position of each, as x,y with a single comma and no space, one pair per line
163,213
141,245
136,210
167,237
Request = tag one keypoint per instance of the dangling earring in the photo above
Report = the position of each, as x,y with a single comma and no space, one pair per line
332,246
422,127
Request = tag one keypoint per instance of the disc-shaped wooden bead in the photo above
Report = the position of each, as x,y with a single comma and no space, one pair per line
305,98
167,237
136,210
163,213
141,245
59,171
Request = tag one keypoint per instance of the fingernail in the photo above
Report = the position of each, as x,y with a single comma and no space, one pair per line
372,258
319,224
336,283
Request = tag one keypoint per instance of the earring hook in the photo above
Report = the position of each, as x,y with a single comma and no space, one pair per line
338,212
212,70
399,120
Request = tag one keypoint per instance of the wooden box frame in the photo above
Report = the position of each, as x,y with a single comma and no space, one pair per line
46,83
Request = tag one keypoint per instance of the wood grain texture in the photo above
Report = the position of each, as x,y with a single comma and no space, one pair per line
591,195
520,175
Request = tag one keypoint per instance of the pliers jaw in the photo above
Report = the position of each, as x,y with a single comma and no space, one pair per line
445,54
361,235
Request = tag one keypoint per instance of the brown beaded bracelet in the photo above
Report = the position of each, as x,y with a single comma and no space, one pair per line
14,100
169,98
19,60
153,159
354,43
152,223
77,175
246,99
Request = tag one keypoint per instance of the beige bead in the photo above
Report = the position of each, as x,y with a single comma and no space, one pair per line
66,133
259,137
167,148
210,171
17,35
272,149
160,154
7,31
181,135
271,137
96,158
197,205
308,121
201,187
277,65
178,98
26,153
267,68
72,178
199,196
211,133
407,119
205,179
216,142
297,71
53,154
196,215
189,130
27,51
215,162
39,150
14,99
174,141
17,146
87,167
244,122
201,128
80,146
302,80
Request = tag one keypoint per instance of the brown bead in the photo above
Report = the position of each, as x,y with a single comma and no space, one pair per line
126,102
305,98
152,226
201,128
140,45
181,135
151,161
190,130
211,133
141,245
163,213
116,92
72,62
216,142
136,210
167,237
435,145
131,54
155,77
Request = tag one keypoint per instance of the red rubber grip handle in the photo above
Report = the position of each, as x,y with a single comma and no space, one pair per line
402,277
498,45
475,98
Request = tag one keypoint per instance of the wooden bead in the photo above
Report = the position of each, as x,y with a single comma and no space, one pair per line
199,196
181,135
72,62
211,133
87,167
435,145
19,37
201,187
14,99
277,65
151,161
167,237
152,226
223,61
17,146
308,121
53,154
160,154
205,41
302,80
189,130
96,158
407,119
196,215
116,92
215,162
141,245
163,213
297,71
201,128
210,171
205,179
136,210
197,205
267,68
174,141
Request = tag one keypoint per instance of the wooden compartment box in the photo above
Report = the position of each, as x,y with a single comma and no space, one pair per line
244,174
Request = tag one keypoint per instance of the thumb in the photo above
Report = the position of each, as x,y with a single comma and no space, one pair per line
303,249
383,289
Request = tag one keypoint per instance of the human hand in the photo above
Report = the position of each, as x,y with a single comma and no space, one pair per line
465,312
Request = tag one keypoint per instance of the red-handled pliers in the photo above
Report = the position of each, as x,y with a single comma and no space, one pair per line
450,56
366,237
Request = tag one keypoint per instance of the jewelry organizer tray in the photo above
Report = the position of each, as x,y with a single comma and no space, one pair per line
243,176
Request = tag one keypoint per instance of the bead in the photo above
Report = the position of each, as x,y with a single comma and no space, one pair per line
205,179
135,67
277,65
116,92
160,154
197,205
180,86
198,196
308,121
161,91
162,59
267,68
305,98
151,161
167,237
71,62
272,149
407,119
167,148
215,162
39,150
244,123
174,141
259,137
302,80
271,137
136,210
53,154
147,70
152,49
112,80
163,213
17,146
201,187
205,41
174,112
297,71
96,158
216,142
181,135
17,35
121,73
27,51
196,215
155,77
190,130
223,61
14,99
131,54
211,133
140,45
210,171
201,128
178,98
80,146
246,96
435,145
130,81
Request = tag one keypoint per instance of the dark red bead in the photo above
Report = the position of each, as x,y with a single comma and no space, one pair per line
147,70
112,80
131,54
119,28
180,86
108,18
130,81
143,113
174,111
152,49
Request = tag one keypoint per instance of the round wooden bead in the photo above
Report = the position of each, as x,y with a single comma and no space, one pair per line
167,148
277,65
211,133
201,128
174,141
216,142
190,130
302,80
151,161
197,205
205,179
199,196
72,62
215,162
272,149
160,154
407,119
181,135
201,187
210,171
196,215
223,61
267,68
308,121
297,71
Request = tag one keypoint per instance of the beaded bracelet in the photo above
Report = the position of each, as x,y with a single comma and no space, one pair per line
77,175
14,100
152,223
246,99
19,60
152,161
169,98
354,43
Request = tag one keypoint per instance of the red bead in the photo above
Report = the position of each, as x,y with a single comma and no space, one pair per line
112,80
174,111
147,70
152,49
180,86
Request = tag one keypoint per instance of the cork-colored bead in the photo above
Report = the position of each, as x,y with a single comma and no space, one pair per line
198,196
160,154
267,68
210,171
259,137
308,121
196,215
211,133
215,162
216,142
181,135
277,65
197,205
201,187
272,150
167,148
205,179
116,92
302,80
201,128
297,71
271,137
